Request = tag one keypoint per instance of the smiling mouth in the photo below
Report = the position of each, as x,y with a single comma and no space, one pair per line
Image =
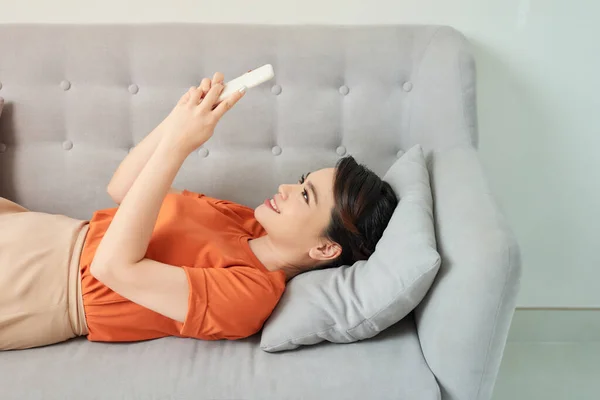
272,205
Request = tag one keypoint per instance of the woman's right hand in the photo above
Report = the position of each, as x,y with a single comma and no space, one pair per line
204,87
193,120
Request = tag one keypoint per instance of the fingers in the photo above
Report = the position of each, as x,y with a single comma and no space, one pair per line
228,103
205,86
211,97
195,96
186,96
217,78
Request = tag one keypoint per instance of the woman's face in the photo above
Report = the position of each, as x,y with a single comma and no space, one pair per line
302,212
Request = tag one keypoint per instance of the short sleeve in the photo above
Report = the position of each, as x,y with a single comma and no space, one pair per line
228,303
188,193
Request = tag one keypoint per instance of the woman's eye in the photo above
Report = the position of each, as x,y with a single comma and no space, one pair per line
301,180
305,194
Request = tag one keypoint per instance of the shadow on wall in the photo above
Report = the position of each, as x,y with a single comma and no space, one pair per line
7,176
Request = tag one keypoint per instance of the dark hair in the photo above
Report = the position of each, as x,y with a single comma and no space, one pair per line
364,205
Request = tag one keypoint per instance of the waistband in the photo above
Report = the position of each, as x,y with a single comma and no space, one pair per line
75,301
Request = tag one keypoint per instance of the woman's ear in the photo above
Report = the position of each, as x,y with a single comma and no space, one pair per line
325,252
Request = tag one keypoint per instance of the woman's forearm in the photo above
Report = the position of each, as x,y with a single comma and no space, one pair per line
132,165
127,238
189,125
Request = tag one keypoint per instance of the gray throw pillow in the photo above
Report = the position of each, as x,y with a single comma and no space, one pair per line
352,303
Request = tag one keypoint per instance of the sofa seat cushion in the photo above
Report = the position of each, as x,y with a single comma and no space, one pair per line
389,366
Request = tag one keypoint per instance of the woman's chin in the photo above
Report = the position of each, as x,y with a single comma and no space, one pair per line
261,213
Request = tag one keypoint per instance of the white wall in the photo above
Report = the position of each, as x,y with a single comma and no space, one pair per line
539,103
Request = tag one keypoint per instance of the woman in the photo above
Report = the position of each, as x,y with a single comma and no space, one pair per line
170,263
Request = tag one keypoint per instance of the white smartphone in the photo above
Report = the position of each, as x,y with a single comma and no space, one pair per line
250,79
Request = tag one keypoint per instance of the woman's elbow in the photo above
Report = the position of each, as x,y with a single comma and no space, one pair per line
113,193
112,272
101,270
97,270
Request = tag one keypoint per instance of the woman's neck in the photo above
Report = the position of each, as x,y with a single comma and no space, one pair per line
275,258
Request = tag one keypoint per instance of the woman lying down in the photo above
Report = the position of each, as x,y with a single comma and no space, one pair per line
170,263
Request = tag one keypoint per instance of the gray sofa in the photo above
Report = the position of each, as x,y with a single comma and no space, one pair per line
78,97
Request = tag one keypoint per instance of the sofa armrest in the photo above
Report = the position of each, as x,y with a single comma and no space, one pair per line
463,321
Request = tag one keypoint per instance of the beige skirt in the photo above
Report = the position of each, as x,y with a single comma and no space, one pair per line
40,282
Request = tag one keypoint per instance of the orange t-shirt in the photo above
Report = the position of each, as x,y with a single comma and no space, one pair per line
231,292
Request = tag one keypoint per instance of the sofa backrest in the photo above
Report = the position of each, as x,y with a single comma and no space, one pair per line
79,97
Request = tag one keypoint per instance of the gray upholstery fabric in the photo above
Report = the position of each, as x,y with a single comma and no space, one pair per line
81,96
78,97
464,320
357,302
175,368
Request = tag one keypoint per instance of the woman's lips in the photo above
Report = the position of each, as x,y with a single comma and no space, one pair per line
270,205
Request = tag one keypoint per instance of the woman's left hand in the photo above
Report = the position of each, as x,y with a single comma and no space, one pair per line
193,120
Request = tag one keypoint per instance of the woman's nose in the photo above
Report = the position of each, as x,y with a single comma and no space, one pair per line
283,191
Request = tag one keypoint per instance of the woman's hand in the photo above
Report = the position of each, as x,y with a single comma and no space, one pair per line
192,122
